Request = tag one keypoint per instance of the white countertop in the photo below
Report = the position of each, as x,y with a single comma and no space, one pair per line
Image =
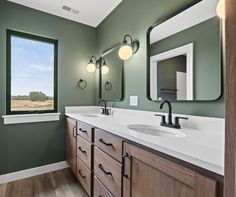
203,145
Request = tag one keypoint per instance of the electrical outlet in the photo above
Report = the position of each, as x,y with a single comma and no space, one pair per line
133,101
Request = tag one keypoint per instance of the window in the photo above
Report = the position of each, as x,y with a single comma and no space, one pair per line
31,74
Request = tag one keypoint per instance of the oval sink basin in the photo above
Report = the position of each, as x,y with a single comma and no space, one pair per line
90,115
152,130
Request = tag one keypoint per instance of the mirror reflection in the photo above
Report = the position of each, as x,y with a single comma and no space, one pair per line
111,81
185,56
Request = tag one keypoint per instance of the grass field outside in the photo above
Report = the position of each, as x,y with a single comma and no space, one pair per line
28,105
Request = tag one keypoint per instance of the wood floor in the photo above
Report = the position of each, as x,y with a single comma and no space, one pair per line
60,183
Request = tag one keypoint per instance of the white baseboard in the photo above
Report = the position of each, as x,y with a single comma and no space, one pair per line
32,172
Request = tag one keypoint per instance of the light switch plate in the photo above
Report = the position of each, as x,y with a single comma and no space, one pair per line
133,100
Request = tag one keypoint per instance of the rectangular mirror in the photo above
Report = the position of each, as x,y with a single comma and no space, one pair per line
111,83
184,55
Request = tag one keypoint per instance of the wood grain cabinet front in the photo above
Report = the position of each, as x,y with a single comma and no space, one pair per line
84,151
85,131
100,190
71,143
85,155
109,143
84,176
147,174
108,171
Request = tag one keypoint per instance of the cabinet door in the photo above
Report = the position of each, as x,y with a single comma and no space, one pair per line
147,174
71,143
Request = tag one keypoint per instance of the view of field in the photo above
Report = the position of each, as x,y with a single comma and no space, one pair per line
32,75
28,105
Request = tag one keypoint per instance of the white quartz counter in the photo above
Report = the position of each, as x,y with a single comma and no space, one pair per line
202,146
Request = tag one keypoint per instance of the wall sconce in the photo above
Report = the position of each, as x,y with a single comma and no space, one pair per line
104,68
95,63
128,48
92,65
220,9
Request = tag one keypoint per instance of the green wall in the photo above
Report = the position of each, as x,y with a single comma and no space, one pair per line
25,146
135,17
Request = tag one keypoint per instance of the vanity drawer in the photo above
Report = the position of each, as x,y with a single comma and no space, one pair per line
84,176
108,171
84,151
100,190
110,144
85,131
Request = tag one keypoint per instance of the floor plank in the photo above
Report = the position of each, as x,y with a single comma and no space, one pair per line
60,183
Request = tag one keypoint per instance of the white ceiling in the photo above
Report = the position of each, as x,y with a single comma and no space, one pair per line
91,12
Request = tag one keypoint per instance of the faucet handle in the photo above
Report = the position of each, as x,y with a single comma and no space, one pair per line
177,125
163,119
108,111
103,110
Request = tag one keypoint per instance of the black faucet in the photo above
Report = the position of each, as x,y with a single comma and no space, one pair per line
170,111
105,111
170,124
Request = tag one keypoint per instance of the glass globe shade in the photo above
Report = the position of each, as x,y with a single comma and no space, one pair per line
125,52
105,69
220,10
91,68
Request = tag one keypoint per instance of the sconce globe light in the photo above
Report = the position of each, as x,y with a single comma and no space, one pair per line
125,52
104,68
220,10
128,48
91,67
95,63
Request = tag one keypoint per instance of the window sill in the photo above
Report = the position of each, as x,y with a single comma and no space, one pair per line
29,118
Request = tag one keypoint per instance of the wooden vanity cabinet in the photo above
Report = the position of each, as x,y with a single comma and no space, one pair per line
85,156
108,171
85,131
107,164
84,175
109,144
84,151
71,143
100,189
147,174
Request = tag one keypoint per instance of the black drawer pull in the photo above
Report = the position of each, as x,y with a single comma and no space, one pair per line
83,131
102,169
107,144
126,155
83,151
80,173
